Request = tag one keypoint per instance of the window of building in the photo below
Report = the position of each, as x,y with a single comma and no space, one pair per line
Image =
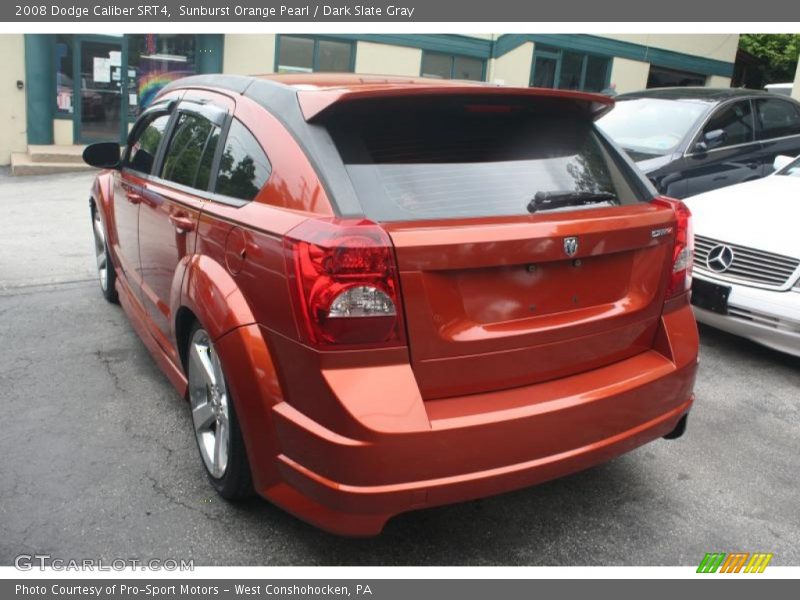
569,70
244,167
144,144
736,121
451,66
155,60
597,73
662,77
545,65
192,146
298,54
64,75
334,57
777,118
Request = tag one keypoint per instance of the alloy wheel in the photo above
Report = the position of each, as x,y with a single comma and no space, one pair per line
100,251
208,396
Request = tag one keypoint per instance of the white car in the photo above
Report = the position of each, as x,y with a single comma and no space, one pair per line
784,89
747,258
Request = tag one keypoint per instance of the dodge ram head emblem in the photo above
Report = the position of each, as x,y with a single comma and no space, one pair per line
570,245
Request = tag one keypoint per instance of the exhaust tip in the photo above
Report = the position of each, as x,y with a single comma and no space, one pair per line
679,430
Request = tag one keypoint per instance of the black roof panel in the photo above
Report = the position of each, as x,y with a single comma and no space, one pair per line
694,93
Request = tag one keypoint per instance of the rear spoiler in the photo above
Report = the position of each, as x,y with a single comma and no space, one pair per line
318,103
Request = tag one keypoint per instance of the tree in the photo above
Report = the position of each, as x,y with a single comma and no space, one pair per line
779,51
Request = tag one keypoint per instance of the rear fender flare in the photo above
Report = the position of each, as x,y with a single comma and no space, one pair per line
101,197
211,294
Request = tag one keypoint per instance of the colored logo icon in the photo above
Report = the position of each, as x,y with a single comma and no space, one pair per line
736,562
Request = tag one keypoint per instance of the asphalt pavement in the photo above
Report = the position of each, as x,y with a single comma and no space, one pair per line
99,460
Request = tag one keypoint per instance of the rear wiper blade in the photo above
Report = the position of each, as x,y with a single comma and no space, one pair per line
551,200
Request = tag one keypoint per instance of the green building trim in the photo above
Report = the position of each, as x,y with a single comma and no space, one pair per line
40,89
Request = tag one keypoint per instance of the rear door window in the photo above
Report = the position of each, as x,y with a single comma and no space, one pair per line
777,118
446,160
736,121
244,167
190,154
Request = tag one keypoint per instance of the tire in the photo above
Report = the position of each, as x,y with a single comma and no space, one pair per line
216,427
105,266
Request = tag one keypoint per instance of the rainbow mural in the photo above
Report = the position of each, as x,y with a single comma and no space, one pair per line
149,84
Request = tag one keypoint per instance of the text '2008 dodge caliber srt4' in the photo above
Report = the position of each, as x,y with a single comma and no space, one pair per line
386,294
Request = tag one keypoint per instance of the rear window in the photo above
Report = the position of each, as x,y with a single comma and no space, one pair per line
463,160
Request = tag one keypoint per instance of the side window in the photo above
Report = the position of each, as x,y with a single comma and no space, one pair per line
736,121
777,118
207,160
191,151
244,168
142,150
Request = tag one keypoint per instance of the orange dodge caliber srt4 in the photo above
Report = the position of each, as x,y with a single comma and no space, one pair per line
383,294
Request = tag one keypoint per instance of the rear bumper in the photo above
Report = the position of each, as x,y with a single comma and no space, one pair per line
483,444
363,510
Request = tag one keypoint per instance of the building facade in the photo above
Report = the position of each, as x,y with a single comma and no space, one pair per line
75,89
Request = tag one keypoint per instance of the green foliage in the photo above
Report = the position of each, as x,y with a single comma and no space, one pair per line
779,51
183,157
236,178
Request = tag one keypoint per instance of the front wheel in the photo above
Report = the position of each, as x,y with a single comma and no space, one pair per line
216,427
105,268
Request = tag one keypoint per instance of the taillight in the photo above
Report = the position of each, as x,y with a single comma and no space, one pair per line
680,276
344,282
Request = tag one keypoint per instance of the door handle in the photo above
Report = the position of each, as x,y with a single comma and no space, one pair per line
752,165
182,223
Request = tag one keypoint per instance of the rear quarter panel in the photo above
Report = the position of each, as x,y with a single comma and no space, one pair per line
236,283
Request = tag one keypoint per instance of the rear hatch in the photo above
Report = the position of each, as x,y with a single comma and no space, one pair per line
526,245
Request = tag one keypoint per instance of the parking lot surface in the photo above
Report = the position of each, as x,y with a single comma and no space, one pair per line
99,458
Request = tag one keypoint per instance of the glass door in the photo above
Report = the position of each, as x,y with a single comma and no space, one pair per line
99,110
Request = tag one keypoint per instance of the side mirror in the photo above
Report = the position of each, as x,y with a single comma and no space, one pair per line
103,155
714,138
781,161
